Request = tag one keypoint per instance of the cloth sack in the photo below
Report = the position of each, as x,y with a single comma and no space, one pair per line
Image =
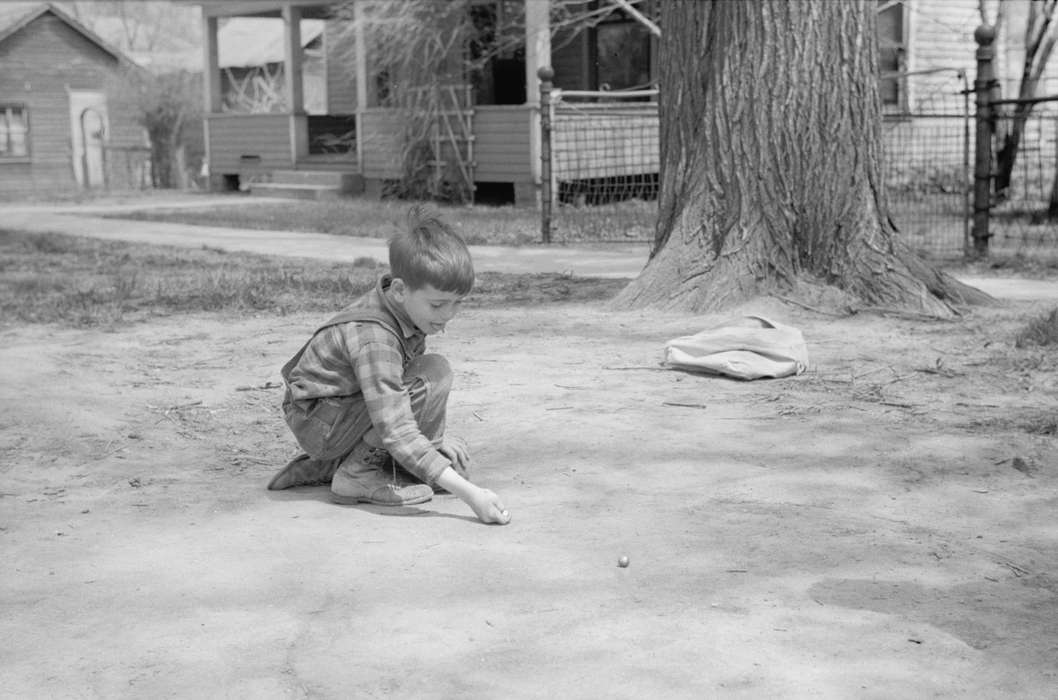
747,348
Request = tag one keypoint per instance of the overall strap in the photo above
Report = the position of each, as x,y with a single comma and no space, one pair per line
347,316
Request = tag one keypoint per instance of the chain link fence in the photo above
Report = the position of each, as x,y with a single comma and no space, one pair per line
926,163
605,159
605,156
1023,219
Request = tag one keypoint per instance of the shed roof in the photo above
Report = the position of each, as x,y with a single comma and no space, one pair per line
15,16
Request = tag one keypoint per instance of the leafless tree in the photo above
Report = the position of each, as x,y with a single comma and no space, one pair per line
1041,34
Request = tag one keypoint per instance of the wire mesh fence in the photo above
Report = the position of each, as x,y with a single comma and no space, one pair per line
606,154
1024,215
605,160
926,163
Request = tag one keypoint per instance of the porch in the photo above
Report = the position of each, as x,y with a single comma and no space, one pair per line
356,147
356,153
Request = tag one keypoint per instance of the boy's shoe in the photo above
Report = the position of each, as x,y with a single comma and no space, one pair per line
303,471
363,477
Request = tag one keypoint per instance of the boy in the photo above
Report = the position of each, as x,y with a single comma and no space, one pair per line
364,401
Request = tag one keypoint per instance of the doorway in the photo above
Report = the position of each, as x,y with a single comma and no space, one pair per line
89,127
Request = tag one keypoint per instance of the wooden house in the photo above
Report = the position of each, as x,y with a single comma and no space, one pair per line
929,43
63,125
497,134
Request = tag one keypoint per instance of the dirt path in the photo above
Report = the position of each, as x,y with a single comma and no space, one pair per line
879,527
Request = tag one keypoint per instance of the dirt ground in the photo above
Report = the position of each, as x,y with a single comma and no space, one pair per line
882,526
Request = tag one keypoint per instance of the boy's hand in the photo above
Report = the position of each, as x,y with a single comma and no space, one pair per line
485,504
488,507
455,449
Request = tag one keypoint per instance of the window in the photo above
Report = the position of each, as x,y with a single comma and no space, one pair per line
14,131
892,54
497,51
622,55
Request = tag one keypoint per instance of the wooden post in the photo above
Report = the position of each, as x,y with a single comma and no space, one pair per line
984,35
360,47
211,61
210,87
292,59
537,56
546,75
298,126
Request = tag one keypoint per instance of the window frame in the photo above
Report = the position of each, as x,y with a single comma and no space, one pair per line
902,50
618,19
8,111
624,23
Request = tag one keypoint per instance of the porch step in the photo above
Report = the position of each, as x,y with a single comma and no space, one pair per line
344,180
291,191
310,184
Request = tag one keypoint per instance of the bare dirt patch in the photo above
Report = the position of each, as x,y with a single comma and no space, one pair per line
881,526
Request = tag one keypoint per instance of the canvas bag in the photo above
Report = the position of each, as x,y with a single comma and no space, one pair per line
751,347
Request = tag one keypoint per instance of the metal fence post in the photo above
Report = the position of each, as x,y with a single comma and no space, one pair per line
546,75
984,35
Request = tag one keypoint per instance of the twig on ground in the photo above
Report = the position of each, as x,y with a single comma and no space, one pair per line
810,308
869,372
942,372
684,405
1018,570
900,313
243,457
262,387
176,407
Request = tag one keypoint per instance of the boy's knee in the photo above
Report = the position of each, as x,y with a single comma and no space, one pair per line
432,370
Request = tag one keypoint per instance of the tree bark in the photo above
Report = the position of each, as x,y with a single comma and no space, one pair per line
771,152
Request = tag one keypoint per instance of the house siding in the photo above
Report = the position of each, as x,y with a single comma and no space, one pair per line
38,66
569,60
381,141
340,64
502,146
244,143
940,36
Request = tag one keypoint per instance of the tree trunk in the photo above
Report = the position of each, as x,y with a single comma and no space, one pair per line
161,156
1052,207
771,153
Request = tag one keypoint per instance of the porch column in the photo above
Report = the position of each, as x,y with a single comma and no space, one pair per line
210,82
361,78
537,55
299,139
211,62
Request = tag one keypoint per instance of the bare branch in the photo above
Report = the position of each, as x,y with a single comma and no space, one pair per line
638,16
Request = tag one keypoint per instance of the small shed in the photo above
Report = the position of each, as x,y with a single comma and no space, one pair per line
64,126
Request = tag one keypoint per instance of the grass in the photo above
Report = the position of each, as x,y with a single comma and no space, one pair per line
355,217
619,222
1042,331
76,281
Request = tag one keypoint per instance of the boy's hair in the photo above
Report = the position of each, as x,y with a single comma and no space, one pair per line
430,252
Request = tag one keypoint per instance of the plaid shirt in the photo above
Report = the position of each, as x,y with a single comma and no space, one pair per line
364,361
